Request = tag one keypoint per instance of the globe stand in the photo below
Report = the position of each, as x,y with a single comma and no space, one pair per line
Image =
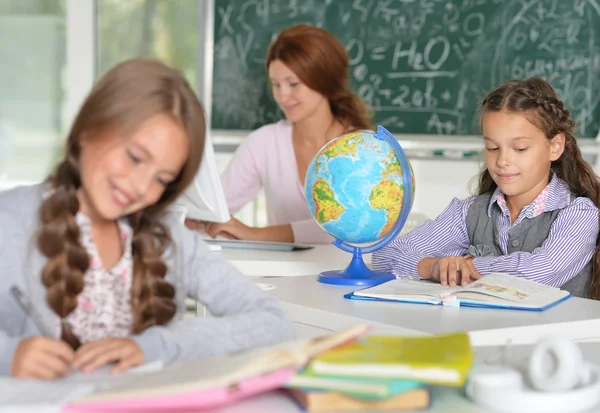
357,273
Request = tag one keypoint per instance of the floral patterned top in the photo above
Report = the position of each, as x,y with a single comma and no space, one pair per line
104,306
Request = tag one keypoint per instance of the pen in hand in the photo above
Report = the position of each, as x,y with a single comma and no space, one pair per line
30,310
43,356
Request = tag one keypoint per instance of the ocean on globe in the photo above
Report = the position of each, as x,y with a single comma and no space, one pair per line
354,187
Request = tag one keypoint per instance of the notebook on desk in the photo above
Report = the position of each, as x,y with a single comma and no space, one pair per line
496,290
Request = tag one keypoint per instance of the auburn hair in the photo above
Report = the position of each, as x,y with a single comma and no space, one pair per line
321,62
124,97
537,99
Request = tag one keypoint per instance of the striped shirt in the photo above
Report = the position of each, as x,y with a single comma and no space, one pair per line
569,247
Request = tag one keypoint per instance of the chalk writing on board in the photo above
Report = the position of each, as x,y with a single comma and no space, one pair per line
423,65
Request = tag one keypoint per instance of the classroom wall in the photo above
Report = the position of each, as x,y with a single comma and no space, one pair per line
438,181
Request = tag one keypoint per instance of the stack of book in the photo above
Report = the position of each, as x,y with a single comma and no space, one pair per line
382,373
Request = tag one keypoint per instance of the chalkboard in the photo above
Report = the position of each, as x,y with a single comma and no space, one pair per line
423,65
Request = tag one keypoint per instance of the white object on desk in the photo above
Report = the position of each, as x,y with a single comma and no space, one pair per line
215,247
559,381
265,286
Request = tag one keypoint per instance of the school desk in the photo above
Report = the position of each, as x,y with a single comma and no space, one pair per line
317,308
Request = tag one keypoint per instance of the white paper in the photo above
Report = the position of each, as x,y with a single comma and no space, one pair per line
102,375
18,392
42,395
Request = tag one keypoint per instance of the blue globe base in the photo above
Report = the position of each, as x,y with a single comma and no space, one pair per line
357,273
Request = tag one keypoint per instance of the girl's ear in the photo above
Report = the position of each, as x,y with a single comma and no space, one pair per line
557,146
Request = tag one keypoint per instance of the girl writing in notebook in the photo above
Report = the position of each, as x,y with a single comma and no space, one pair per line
536,210
308,73
98,255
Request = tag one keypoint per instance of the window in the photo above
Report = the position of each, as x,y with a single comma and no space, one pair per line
32,49
167,30
163,29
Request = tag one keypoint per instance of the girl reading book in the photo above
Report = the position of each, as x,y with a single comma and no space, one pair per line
96,252
536,211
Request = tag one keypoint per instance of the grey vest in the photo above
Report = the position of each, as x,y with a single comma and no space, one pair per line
527,236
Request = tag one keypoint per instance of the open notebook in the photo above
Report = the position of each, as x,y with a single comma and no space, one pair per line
211,382
495,290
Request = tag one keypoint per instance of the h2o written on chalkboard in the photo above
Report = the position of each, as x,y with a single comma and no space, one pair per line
422,65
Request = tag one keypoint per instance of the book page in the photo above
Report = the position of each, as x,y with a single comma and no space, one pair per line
204,373
33,393
408,289
102,375
511,288
226,370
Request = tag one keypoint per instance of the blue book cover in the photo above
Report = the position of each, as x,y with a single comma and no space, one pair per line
496,290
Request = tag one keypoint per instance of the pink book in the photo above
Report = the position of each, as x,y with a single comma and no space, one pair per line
210,382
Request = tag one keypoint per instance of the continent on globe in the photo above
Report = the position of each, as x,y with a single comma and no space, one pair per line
382,198
348,146
327,207
354,187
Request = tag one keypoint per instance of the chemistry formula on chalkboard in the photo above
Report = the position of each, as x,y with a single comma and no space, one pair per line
423,65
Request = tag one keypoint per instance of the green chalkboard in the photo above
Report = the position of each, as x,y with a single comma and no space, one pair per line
423,65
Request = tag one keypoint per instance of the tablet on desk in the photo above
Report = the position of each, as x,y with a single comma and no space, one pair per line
257,245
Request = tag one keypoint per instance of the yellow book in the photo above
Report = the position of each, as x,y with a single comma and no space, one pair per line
443,360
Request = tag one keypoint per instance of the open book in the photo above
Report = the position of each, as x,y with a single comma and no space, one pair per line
496,290
210,382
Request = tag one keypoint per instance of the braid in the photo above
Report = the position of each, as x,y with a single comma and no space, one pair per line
555,108
58,240
152,297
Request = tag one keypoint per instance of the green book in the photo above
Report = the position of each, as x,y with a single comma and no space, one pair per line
359,387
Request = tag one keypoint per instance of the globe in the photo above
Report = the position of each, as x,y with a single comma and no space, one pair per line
355,188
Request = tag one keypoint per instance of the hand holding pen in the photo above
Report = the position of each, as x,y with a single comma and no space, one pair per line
39,357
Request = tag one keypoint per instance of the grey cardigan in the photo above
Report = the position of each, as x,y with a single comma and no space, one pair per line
242,315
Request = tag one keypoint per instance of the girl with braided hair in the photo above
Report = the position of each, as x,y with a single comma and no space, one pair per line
536,211
97,252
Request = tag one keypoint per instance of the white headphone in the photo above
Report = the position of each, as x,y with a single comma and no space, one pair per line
558,381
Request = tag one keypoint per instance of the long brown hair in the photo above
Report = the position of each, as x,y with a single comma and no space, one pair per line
537,99
124,97
321,62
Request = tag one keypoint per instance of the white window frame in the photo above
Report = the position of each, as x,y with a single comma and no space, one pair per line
81,54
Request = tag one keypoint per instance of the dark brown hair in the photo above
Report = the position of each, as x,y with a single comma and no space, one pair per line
124,97
321,62
537,99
